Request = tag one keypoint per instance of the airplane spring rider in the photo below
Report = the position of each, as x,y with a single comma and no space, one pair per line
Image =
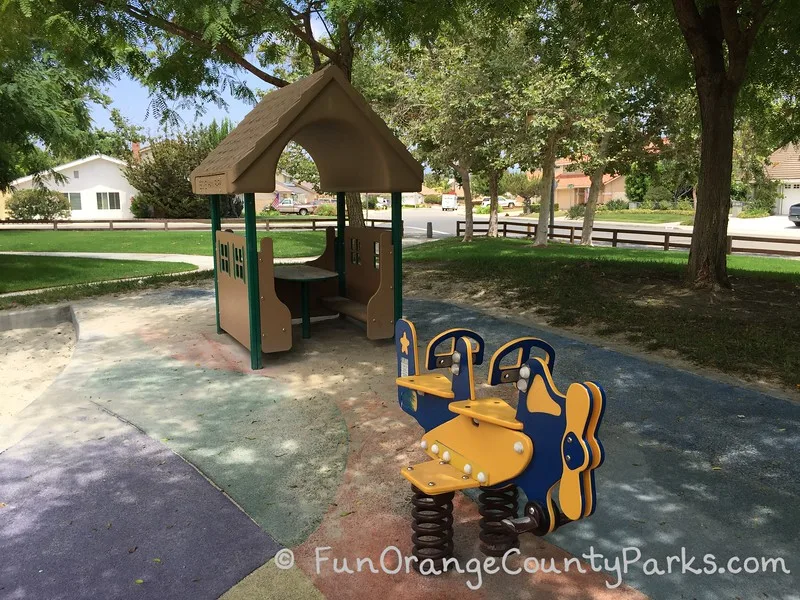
547,446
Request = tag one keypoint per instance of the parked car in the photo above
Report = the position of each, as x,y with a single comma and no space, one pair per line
381,204
794,214
502,202
289,206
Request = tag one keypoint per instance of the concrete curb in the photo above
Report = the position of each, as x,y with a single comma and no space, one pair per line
38,317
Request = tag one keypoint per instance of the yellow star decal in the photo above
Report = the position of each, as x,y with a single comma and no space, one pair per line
404,343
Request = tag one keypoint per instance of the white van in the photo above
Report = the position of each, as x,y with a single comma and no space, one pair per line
449,202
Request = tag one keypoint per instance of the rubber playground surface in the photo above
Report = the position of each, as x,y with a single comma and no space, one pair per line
157,465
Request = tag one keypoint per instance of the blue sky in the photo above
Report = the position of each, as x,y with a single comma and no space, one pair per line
132,99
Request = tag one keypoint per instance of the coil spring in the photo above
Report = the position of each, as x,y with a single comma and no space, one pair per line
496,504
433,527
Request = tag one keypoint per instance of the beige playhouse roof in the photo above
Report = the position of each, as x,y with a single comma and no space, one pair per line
352,147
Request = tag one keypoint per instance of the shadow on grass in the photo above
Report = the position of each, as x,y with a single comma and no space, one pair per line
690,463
637,295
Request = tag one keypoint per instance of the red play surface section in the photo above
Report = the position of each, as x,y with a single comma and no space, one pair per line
372,512
372,507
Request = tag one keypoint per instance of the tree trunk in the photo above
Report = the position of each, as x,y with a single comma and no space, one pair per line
494,176
596,187
548,176
591,204
707,255
355,209
526,205
720,49
468,219
345,49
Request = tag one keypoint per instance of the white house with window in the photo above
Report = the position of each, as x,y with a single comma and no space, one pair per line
784,165
95,187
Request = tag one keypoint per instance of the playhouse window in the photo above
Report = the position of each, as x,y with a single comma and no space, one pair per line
224,258
355,251
238,263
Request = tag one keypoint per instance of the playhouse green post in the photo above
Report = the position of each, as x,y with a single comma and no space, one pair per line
397,243
341,210
253,295
216,225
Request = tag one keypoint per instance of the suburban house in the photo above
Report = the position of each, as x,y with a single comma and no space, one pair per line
95,187
301,193
572,187
785,167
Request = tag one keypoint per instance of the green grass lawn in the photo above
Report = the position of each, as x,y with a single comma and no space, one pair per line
635,295
627,216
288,244
87,290
35,272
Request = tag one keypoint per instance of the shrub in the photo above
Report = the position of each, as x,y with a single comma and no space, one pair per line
647,205
684,204
661,198
754,214
141,209
636,184
268,211
433,199
163,179
38,203
576,212
616,205
537,207
326,210
482,210
765,194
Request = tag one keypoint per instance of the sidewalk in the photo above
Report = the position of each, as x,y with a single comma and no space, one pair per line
203,263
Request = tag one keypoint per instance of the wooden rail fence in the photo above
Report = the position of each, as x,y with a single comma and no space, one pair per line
665,240
281,223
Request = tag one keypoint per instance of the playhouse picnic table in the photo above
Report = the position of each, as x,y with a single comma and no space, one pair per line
304,274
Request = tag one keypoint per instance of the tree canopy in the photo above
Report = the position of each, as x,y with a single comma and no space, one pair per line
162,179
45,91
740,57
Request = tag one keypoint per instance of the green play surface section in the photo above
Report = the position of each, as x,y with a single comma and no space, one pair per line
280,457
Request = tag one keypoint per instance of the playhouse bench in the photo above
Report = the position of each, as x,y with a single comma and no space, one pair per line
345,306
369,268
